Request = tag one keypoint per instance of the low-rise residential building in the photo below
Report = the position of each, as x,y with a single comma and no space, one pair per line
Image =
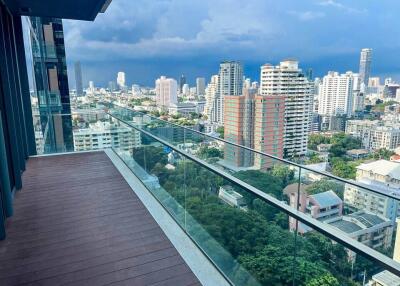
368,228
359,198
321,206
186,108
374,134
383,171
357,153
324,147
231,197
384,278
101,135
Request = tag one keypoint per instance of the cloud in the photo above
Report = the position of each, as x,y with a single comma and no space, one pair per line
307,15
194,33
340,6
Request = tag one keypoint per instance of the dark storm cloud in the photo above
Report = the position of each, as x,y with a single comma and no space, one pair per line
149,38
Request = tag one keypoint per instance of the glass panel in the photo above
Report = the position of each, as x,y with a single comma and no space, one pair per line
245,237
363,215
321,261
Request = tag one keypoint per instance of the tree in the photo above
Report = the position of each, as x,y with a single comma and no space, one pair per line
209,152
268,183
383,154
325,185
325,280
315,139
284,173
343,168
220,130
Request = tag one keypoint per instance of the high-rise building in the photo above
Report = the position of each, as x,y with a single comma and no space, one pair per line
78,79
182,81
121,80
166,91
269,127
374,82
211,92
239,128
91,87
230,83
51,82
111,86
257,122
185,89
288,80
336,94
247,83
365,65
200,85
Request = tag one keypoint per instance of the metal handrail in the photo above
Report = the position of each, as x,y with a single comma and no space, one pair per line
327,230
353,183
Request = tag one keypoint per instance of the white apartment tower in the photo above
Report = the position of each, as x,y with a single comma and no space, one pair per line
230,82
365,65
287,80
121,79
166,91
335,96
211,92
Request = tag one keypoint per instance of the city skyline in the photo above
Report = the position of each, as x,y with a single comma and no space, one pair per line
145,45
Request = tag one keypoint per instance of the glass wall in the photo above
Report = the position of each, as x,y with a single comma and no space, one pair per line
280,224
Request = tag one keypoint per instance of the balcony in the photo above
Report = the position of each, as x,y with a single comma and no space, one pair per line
78,222
98,217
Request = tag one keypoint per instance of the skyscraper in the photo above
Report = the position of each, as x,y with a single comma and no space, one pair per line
121,80
239,127
336,94
91,87
111,86
211,92
78,79
200,85
255,121
182,81
287,80
365,65
51,82
230,82
166,91
269,127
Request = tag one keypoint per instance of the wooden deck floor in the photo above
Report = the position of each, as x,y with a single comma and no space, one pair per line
77,222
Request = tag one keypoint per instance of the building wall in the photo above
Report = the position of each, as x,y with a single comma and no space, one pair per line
51,82
269,126
166,91
336,94
287,80
360,199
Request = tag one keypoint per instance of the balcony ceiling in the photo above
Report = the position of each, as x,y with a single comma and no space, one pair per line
65,9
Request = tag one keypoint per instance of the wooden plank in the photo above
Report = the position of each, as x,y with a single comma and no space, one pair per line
78,222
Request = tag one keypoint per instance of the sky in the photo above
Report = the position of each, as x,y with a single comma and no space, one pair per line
147,39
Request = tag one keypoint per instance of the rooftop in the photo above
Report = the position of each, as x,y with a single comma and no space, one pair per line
382,167
386,278
357,221
327,199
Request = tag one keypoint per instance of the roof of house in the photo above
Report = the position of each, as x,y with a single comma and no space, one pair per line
293,188
346,226
386,278
327,199
382,167
357,221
